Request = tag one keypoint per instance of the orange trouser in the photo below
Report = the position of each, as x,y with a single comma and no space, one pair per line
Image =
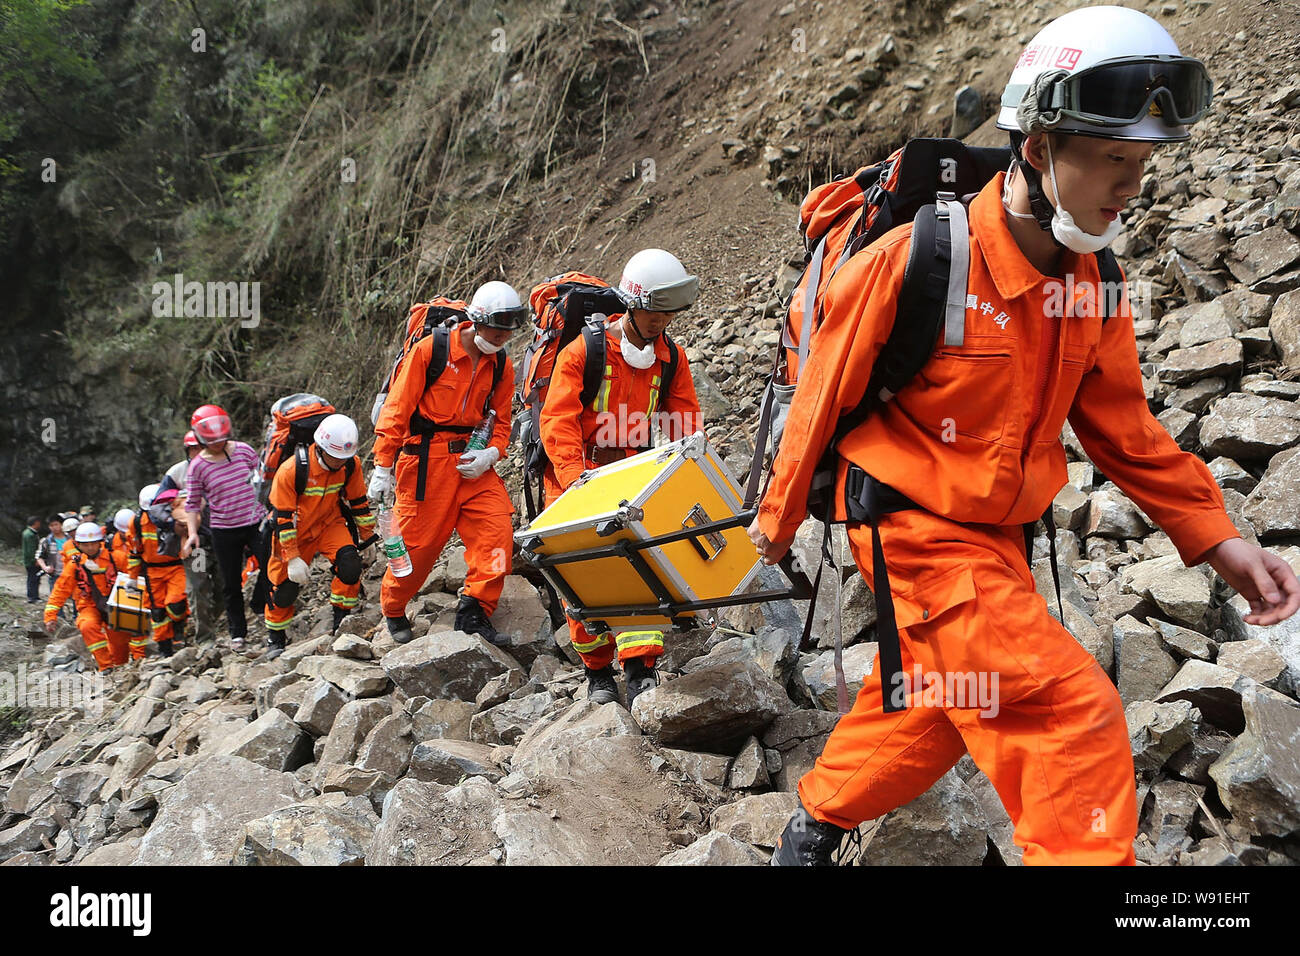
478,508
109,647
311,541
1054,742
598,650
166,592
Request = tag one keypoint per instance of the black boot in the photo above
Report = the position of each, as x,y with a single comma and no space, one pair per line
601,686
639,677
400,629
166,648
339,614
805,842
274,645
470,619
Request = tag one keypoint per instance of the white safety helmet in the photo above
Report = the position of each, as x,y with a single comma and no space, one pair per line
656,281
147,495
1105,71
122,520
498,306
337,436
89,531
70,524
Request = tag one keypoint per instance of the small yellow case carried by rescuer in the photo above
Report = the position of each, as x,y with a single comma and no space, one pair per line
637,544
127,609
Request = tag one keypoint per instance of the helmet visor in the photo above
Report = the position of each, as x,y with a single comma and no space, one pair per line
212,428
509,319
1122,92
673,297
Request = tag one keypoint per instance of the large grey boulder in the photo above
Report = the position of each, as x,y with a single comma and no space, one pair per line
201,820
1183,593
440,718
446,664
355,720
388,746
354,678
715,708
1158,731
1216,691
272,741
945,826
451,761
1248,427
429,824
506,723
1258,776
1273,507
310,834
798,738
541,750
1142,665
715,849
321,703
758,819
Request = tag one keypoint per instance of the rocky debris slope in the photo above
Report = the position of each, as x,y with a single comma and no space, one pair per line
350,749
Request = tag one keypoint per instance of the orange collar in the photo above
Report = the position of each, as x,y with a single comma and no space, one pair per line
1012,273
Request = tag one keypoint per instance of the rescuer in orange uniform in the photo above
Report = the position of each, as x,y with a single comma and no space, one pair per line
655,287
442,485
164,573
88,577
1055,746
309,499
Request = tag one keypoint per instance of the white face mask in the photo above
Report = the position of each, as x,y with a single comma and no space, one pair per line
484,346
1064,228
635,357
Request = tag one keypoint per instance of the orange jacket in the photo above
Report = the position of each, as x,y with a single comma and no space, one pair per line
144,549
620,414
976,436
71,582
318,506
456,398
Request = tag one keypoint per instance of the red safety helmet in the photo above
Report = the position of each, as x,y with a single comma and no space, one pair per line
191,439
210,423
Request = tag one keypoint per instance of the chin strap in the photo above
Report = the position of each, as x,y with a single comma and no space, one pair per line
1038,204
637,329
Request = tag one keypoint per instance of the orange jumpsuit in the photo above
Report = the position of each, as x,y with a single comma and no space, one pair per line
974,441
164,579
478,508
110,647
312,523
614,426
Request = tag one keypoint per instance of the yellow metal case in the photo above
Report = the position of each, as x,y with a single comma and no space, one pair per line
658,492
127,609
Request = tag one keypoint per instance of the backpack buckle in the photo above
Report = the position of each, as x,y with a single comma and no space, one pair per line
876,195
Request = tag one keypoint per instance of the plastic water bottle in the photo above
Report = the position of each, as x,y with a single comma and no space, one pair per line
399,562
480,437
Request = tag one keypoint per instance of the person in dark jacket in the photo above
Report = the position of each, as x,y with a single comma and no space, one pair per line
31,541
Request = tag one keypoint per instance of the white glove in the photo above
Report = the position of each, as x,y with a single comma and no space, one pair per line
474,464
92,564
381,483
299,573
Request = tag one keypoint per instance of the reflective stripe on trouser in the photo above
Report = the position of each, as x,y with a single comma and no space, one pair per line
987,670
109,648
478,508
166,589
311,542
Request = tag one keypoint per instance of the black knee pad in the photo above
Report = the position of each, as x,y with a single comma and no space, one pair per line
286,592
347,565
159,614
178,608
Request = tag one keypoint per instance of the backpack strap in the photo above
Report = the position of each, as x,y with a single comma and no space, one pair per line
438,357
593,371
498,372
1112,277
301,466
670,367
